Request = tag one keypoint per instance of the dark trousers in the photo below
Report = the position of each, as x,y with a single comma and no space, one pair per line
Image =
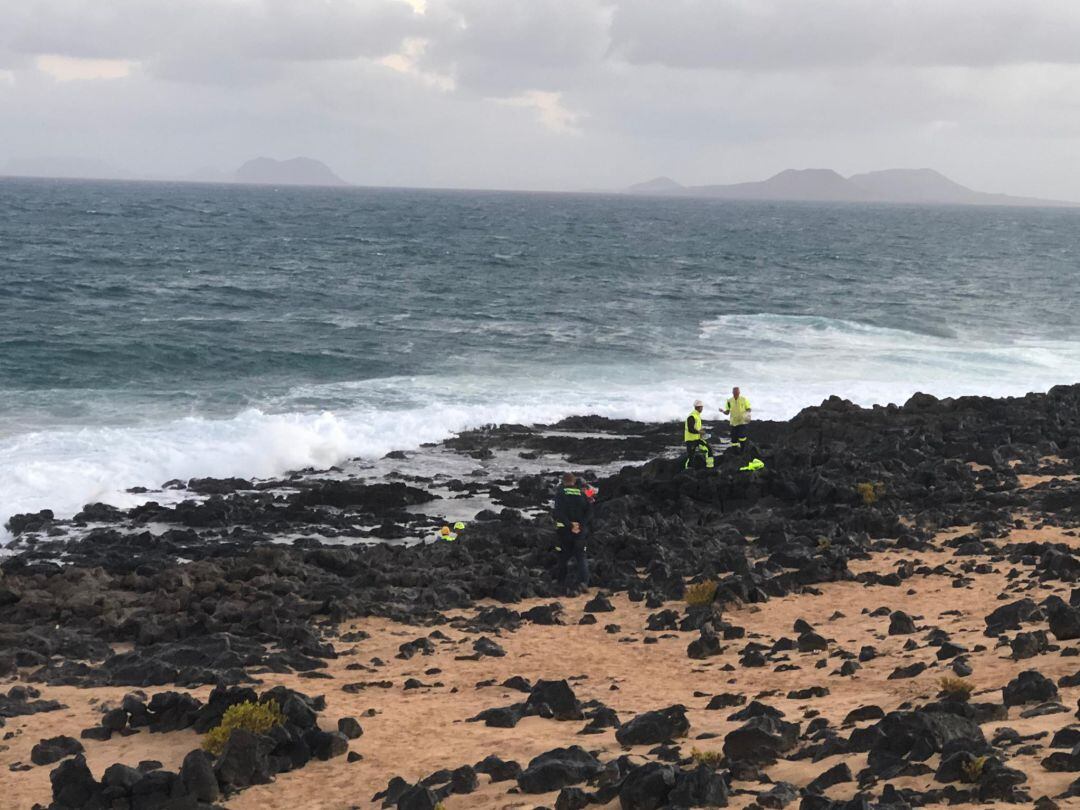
572,564
692,454
738,434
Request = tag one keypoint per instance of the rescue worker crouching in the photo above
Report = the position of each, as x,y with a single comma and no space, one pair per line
694,437
450,535
572,515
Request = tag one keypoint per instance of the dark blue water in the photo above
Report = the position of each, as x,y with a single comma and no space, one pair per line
159,330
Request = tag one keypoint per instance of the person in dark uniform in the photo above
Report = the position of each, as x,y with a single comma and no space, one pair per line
572,514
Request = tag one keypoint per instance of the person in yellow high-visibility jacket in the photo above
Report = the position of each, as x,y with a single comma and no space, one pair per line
737,410
693,433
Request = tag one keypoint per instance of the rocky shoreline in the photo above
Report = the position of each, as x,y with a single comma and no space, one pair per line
774,625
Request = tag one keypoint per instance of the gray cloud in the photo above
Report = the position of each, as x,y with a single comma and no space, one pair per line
785,34
555,93
169,31
504,46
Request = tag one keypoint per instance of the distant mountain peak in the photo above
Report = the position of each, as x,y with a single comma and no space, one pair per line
298,171
913,186
809,173
658,185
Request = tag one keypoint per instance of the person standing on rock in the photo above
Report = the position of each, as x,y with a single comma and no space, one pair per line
737,409
572,514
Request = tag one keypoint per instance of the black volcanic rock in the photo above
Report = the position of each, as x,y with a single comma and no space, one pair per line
651,728
761,740
558,768
54,749
1029,686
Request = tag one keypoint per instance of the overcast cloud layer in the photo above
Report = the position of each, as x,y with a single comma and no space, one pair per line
550,94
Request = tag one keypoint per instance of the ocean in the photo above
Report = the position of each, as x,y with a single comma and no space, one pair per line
159,331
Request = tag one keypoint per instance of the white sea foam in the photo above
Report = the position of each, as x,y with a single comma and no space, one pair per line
783,363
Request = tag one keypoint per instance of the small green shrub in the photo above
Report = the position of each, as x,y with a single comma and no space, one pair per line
955,688
258,718
710,758
700,593
870,491
973,770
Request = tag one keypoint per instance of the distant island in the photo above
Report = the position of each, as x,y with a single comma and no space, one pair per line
924,186
298,171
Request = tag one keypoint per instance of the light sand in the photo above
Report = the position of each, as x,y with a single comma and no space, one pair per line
419,731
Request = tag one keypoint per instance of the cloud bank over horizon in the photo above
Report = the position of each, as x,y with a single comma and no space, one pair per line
550,94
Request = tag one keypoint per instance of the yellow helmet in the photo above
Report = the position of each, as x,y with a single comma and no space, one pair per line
459,526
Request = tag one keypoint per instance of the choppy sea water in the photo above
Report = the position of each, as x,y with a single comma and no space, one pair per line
157,331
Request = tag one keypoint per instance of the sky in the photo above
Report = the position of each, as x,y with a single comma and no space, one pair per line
550,94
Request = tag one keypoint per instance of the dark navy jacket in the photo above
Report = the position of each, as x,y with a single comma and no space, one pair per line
571,506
